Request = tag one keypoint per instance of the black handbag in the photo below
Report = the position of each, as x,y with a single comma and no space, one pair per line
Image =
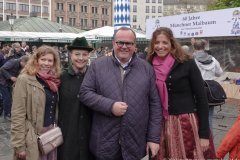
215,93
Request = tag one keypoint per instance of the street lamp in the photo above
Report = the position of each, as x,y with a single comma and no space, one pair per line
11,21
60,22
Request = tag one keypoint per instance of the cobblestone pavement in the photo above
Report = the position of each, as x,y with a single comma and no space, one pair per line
222,121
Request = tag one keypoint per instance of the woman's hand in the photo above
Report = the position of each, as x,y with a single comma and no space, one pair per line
204,144
21,155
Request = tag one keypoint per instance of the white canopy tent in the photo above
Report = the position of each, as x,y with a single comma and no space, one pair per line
37,36
105,32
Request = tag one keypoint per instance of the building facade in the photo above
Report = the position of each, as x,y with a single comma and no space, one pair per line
83,14
140,10
174,7
25,8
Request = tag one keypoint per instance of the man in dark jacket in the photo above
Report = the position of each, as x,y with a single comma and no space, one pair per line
8,75
127,110
74,117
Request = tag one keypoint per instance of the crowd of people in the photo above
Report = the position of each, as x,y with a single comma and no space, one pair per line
122,106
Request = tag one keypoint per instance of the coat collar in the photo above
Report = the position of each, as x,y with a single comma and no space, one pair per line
130,64
71,71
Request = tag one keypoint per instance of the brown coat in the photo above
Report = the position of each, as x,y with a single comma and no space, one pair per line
28,109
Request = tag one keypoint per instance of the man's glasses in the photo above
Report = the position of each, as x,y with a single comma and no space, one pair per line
127,44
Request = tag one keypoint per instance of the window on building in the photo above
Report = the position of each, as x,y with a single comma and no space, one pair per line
72,21
147,17
58,19
23,7
59,6
159,1
153,1
71,7
84,9
94,23
36,9
94,10
84,22
147,1
153,9
134,26
134,0
134,18
134,8
45,9
104,23
11,6
153,16
147,9
105,11
1,5
159,9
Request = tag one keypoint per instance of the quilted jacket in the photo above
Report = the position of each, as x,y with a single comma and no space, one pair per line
231,142
111,135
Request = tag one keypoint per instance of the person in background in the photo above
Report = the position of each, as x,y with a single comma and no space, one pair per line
16,52
121,91
8,75
35,98
186,49
100,52
209,67
74,117
144,54
185,107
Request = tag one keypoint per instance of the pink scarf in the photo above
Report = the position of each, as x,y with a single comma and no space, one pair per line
50,78
162,68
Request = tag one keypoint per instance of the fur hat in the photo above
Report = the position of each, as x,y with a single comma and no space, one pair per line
80,43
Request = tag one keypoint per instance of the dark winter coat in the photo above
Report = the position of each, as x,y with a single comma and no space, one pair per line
112,136
10,69
74,118
186,93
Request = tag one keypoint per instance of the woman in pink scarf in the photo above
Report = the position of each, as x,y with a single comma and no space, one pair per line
185,108
35,98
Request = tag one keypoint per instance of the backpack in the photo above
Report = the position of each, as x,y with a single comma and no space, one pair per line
215,93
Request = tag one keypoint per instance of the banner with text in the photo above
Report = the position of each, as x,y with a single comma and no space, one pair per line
225,22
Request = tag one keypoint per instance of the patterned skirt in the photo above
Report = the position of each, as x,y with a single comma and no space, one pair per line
180,139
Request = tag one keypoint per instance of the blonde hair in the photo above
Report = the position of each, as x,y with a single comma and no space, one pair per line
32,67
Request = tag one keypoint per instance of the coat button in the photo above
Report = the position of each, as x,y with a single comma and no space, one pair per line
169,84
81,116
78,96
170,76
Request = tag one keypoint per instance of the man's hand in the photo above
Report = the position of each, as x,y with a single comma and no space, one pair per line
154,147
21,155
204,144
119,108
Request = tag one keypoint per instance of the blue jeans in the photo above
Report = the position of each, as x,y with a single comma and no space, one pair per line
7,99
210,116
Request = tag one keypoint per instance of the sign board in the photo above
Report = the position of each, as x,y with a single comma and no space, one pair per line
218,23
